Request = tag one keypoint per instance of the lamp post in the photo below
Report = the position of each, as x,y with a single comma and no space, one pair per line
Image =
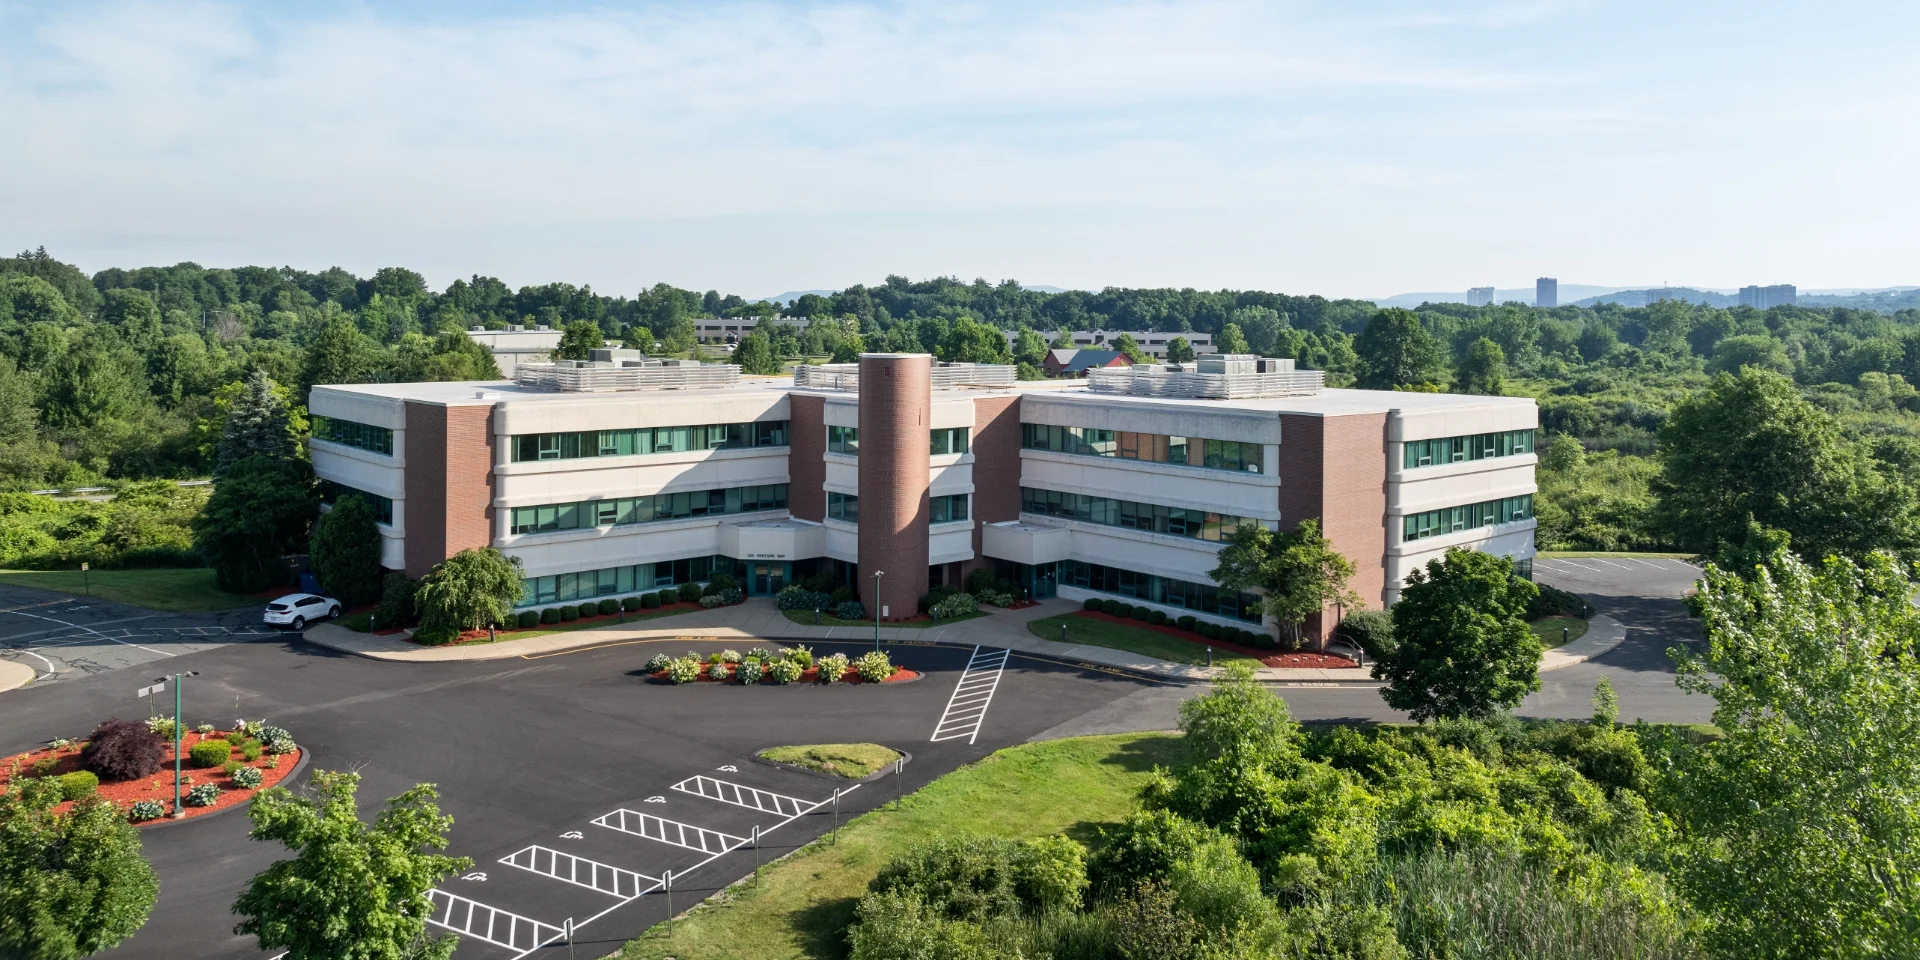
877,574
178,810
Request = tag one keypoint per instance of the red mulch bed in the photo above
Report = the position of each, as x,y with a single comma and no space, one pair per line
469,636
159,786
809,675
1270,658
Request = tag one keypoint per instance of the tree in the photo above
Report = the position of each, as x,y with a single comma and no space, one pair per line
73,884
257,425
100,379
1029,347
681,337
1262,326
1396,350
1762,351
849,349
258,513
1461,643
1179,350
1800,828
1751,450
755,354
469,590
1128,347
351,890
1230,340
340,354
346,551
970,341
578,341
1299,573
1484,371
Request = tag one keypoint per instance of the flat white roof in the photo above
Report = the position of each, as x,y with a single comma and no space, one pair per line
1326,403
485,392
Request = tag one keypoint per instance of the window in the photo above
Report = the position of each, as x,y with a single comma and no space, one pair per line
1154,517
949,509
350,434
610,581
844,440
1241,455
843,506
1472,516
1479,446
547,518
331,493
1199,597
949,440
645,440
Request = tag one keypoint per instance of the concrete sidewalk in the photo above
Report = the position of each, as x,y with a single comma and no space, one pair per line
758,619
15,675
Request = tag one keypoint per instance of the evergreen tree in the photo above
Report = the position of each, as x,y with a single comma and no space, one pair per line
258,425
346,551
71,885
258,513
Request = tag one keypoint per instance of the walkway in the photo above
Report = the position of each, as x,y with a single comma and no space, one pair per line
758,619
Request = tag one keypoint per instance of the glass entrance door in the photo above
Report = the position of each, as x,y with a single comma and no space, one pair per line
769,578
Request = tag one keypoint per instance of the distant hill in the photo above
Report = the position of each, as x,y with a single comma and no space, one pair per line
792,295
1640,298
1568,293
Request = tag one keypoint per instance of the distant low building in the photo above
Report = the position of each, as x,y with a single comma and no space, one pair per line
1479,296
1153,343
517,345
1766,298
731,329
1076,363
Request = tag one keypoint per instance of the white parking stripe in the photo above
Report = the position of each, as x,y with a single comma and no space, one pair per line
488,924
581,872
967,707
670,832
752,798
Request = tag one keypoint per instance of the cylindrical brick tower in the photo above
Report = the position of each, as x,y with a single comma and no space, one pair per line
896,402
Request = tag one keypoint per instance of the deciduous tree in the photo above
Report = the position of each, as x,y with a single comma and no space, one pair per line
258,513
1484,371
1179,350
469,590
1395,350
72,884
755,355
1299,573
1461,643
346,551
578,341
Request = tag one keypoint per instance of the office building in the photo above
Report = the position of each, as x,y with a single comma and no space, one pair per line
1479,296
517,345
621,475
1546,292
1153,343
1765,298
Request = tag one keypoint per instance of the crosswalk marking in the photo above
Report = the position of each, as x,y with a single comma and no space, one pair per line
493,925
752,798
967,707
669,831
581,872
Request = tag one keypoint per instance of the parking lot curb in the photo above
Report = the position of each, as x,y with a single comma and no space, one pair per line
13,675
1603,634
306,753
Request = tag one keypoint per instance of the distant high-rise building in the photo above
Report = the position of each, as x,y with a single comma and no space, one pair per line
1479,296
1762,298
1546,292
1663,293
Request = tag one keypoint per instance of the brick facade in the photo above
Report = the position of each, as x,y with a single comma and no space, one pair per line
896,408
449,482
996,469
806,471
1335,469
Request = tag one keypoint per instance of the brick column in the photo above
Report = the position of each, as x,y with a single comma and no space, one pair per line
896,407
996,469
449,482
806,471
1334,468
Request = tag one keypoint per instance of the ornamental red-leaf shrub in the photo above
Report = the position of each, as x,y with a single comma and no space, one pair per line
123,750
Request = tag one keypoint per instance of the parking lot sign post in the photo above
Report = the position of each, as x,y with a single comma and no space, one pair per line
86,578
877,574
899,794
669,882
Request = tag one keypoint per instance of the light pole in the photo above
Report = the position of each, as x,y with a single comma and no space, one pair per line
877,574
178,810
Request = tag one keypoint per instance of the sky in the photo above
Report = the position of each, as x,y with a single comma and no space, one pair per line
1342,148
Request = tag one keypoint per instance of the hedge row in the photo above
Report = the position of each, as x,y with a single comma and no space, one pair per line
1257,639
608,606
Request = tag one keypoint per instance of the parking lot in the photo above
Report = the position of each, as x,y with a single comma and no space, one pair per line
65,638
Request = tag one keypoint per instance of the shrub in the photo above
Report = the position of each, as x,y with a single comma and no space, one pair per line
873,666
683,670
979,579
527,618
1145,848
690,592
658,662
1553,601
956,605
843,593
1094,604
45,766
209,754
730,656
1185,622
144,810
569,614
1108,605
280,745
1208,630
1003,585
1158,618
964,878
1139,613
802,655
230,766
785,671
750,671
833,669
718,671
996,598
396,602
273,763
237,737
711,601
250,750
795,598
248,778
60,743
267,733
590,609
649,601
721,581
762,654
850,610
550,616
608,607
714,658
123,750
79,783
1367,630
435,636
204,729
164,726
630,604
202,795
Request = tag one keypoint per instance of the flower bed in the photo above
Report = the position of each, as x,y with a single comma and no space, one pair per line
1268,657
809,675
158,786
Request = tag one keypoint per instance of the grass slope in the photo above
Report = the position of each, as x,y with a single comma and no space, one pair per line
801,906
169,589
1119,636
852,761
1548,630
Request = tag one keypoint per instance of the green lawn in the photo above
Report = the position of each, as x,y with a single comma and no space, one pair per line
544,629
1625,555
853,761
171,589
805,617
1548,630
1119,636
800,907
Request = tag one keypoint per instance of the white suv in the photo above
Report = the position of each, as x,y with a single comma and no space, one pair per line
296,609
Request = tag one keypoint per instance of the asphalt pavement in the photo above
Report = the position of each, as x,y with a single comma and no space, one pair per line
64,638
